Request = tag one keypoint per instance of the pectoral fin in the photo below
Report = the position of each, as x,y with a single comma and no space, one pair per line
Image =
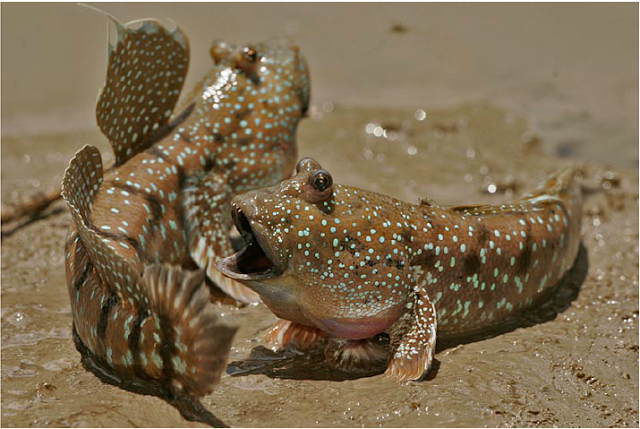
207,206
413,341
286,333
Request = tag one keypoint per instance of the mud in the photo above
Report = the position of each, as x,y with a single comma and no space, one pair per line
578,367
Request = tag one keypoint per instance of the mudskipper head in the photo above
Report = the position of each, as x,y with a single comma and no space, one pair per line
322,254
275,68
258,94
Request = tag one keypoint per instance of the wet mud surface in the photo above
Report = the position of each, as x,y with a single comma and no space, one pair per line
573,362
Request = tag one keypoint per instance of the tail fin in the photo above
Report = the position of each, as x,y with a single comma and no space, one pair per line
558,184
152,327
563,185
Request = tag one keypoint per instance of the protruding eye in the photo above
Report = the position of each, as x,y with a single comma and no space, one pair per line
247,60
301,164
250,54
321,180
219,51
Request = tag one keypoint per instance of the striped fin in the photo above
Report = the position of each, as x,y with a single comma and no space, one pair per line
146,71
80,185
197,343
176,345
207,208
356,356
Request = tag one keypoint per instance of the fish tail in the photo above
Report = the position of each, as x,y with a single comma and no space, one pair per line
563,187
563,183
566,185
151,326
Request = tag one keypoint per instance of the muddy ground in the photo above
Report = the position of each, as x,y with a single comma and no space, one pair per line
576,368
460,103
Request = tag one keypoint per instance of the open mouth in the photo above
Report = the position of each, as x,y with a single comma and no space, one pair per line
251,261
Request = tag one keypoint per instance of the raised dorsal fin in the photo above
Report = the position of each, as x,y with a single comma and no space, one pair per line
146,71
80,185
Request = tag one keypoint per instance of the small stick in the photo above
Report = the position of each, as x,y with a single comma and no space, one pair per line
31,207
34,205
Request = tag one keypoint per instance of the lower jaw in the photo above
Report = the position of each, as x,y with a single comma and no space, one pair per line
229,266
281,302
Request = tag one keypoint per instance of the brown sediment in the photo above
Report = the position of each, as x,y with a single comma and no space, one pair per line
573,362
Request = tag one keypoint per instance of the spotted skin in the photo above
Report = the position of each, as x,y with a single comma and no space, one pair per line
239,135
139,226
354,263
133,107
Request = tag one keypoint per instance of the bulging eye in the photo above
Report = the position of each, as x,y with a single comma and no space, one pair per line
321,180
248,60
301,164
250,54
220,50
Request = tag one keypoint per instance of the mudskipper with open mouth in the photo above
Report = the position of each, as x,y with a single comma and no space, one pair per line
341,265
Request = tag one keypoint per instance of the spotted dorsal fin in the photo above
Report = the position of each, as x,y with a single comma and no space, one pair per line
529,202
80,185
147,67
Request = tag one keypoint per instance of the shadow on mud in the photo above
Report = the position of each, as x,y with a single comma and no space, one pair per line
12,226
189,407
295,365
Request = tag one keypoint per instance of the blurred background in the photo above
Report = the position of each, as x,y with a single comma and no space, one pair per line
570,69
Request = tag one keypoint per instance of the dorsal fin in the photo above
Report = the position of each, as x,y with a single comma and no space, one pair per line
480,210
555,184
523,204
80,185
547,193
146,71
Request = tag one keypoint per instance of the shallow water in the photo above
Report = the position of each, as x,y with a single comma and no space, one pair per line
577,369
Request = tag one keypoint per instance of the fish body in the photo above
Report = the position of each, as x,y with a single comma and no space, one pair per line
347,264
140,225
